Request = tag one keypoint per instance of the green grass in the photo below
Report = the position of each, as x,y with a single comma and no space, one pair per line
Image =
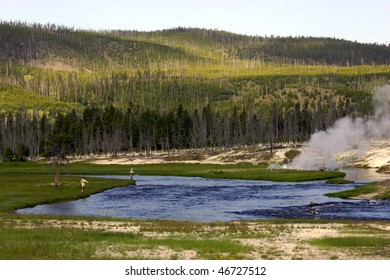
370,229
19,191
73,243
232,171
352,242
28,167
245,172
60,243
385,195
49,237
42,243
363,245
358,190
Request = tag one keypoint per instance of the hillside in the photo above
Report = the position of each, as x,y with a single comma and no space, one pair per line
193,67
51,45
40,45
120,91
307,50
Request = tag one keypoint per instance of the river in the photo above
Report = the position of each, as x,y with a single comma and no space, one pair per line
199,199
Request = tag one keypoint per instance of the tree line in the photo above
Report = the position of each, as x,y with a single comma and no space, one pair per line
112,130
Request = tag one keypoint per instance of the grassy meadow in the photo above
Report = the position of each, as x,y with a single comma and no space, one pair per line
20,191
62,237
229,171
46,237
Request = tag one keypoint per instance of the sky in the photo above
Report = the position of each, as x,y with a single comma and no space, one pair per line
366,21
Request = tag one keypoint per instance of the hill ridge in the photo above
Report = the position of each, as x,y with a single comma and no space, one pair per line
86,49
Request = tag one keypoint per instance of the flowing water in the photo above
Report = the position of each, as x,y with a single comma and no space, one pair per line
199,199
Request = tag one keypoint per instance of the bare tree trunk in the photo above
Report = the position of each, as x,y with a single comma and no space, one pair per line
270,132
57,167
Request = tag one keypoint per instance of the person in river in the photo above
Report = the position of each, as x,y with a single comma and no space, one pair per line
131,173
83,183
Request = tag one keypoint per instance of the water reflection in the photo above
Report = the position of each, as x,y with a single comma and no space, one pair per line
364,175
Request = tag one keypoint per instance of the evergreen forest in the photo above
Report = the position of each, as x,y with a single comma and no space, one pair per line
119,91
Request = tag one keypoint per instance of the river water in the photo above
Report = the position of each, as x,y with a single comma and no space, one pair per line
199,199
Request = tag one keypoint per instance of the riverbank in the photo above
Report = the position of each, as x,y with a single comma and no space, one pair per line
22,190
376,190
372,154
228,171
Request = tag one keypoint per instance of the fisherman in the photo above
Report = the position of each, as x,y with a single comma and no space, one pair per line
83,183
131,173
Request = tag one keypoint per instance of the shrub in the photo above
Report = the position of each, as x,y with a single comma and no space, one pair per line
8,155
291,154
22,153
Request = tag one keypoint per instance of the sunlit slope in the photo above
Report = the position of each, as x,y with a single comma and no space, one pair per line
222,46
15,98
64,48
53,45
189,66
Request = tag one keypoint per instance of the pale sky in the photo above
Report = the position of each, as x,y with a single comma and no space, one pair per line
365,21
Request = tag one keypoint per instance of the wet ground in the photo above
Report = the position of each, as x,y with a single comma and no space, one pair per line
198,199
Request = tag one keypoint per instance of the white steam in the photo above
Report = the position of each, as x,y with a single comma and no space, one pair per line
322,149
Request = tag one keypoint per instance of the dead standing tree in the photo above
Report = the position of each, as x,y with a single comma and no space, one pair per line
59,146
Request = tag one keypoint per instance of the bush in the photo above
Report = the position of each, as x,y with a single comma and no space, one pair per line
8,155
291,154
22,153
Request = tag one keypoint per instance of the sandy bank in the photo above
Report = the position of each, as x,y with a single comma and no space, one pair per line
374,155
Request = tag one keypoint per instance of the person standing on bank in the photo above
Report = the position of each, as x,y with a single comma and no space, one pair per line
131,174
83,183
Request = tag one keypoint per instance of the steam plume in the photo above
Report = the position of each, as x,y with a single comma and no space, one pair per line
323,147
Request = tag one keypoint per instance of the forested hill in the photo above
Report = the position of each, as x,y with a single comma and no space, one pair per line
120,91
50,44
311,50
47,44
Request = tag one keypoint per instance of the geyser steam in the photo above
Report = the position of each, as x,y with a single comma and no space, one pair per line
323,147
